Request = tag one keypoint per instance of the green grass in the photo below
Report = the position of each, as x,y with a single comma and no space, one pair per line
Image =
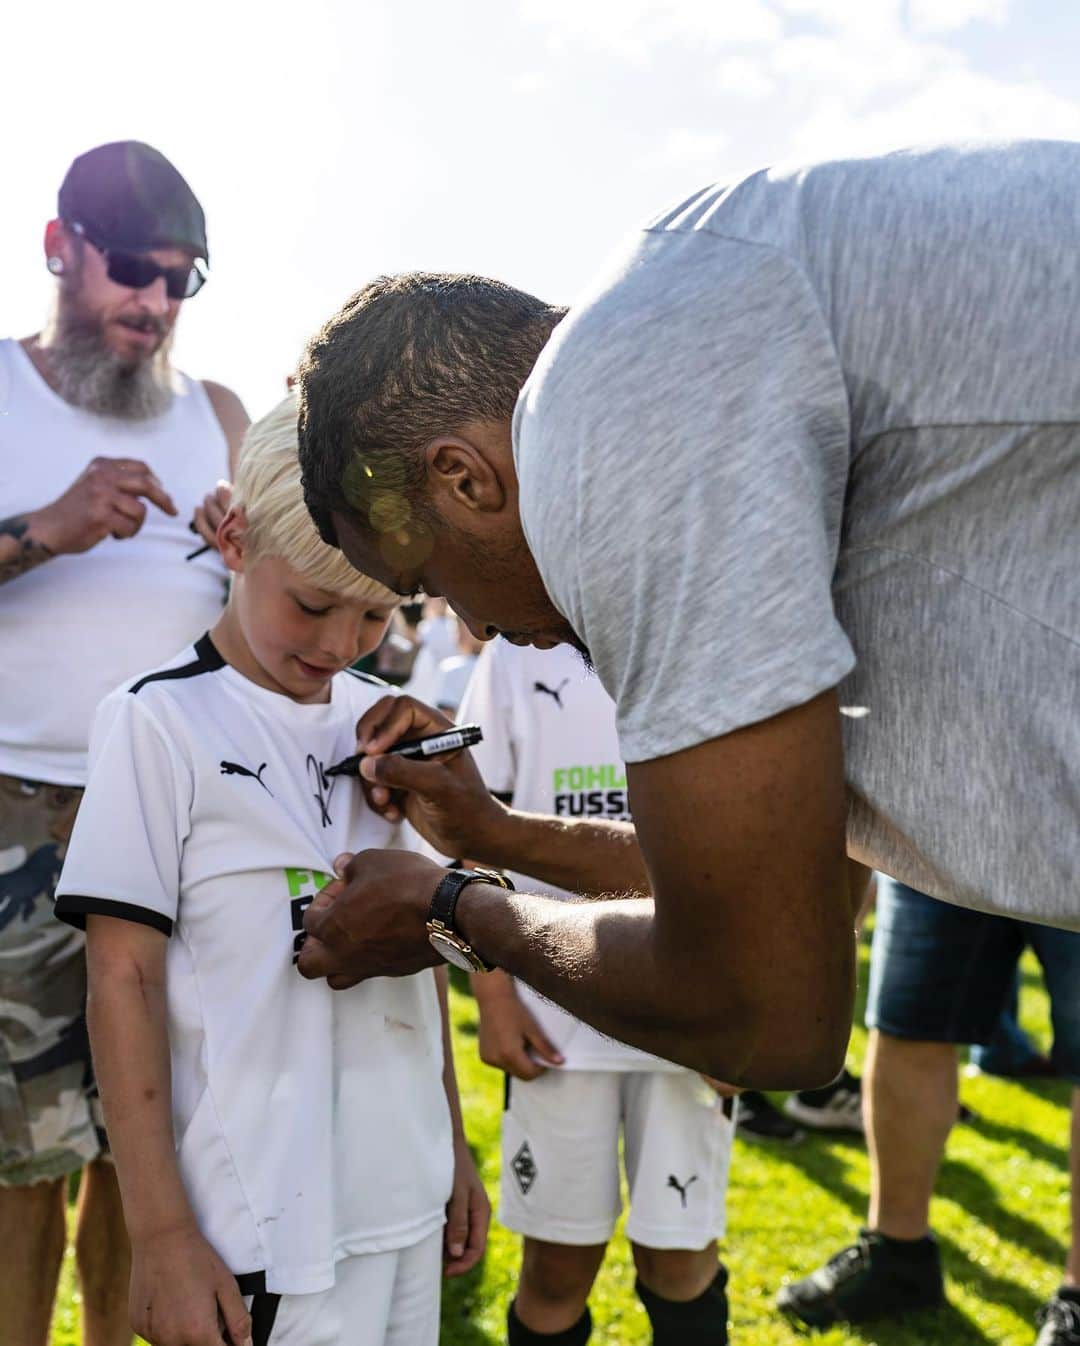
1001,1214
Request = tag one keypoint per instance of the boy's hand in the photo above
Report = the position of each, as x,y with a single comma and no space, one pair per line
210,513
468,1214
183,1294
445,799
510,1038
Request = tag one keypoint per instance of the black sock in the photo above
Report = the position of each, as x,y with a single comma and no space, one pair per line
912,1250
1069,1293
517,1334
694,1322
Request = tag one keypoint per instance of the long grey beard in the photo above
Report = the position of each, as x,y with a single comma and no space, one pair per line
89,375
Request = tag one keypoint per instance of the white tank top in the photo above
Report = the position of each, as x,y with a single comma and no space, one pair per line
77,626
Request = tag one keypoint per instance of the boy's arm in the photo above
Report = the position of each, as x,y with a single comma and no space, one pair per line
510,1038
181,1291
468,1212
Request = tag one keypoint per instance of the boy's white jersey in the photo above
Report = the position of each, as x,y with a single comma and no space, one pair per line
310,1124
550,745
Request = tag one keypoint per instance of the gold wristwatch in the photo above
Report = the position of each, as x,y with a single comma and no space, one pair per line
440,923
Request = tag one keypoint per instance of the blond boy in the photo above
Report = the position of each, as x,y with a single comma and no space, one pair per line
286,1153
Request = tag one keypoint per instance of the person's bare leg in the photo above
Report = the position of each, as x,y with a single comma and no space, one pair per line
910,1098
103,1258
32,1235
678,1274
554,1283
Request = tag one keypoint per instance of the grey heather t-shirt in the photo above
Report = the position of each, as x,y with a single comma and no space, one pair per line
823,428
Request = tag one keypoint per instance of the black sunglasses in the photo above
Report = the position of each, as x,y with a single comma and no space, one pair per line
136,271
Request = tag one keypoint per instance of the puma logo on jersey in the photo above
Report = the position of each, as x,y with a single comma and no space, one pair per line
235,769
554,692
681,1188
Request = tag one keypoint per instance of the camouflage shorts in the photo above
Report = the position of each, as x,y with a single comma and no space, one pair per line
50,1118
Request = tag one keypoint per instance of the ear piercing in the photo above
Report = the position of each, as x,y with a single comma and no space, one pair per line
55,265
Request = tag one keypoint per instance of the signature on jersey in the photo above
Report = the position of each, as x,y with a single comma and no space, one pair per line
324,787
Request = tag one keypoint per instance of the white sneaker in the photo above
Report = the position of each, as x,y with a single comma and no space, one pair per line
837,1107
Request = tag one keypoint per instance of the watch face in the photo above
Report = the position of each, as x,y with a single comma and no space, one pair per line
446,948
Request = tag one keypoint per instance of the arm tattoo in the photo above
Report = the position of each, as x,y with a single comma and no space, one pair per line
19,553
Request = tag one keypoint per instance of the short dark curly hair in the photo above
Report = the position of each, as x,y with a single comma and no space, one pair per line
406,359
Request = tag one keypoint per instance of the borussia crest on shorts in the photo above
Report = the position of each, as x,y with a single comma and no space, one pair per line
524,1167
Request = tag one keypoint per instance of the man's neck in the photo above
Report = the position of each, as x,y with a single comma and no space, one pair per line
37,348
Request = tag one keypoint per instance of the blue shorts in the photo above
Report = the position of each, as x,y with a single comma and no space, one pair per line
940,973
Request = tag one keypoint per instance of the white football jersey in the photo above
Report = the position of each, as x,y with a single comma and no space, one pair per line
550,746
310,1124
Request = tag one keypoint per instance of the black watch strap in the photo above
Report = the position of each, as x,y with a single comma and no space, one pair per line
445,898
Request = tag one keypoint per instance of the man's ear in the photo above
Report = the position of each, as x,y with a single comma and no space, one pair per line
60,244
232,539
465,474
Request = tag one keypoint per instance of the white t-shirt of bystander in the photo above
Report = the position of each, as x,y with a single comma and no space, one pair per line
75,628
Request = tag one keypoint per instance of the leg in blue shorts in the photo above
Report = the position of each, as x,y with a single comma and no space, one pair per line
940,977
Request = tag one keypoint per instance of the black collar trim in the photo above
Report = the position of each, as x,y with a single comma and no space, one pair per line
207,660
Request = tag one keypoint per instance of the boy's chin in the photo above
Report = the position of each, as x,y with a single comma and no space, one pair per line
305,677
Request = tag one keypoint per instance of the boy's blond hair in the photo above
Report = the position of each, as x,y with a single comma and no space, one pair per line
268,489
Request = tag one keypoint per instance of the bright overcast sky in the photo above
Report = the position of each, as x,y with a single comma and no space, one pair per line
336,139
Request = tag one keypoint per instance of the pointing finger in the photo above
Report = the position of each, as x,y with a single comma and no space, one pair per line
147,485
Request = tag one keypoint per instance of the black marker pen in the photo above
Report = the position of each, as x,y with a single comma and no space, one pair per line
417,749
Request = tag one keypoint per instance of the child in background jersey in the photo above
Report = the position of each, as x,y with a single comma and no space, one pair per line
550,746
290,1182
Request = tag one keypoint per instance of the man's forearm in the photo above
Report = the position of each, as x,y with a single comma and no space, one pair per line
582,855
594,959
20,550
603,963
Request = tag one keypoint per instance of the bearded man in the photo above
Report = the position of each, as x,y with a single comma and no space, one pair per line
107,451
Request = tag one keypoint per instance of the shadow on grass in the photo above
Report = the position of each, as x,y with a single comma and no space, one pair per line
965,1185
942,1325
1057,1156
818,1159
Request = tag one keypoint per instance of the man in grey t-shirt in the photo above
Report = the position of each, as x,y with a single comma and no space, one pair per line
800,472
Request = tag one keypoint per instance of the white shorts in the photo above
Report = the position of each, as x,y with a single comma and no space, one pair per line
377,1299
560,1157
